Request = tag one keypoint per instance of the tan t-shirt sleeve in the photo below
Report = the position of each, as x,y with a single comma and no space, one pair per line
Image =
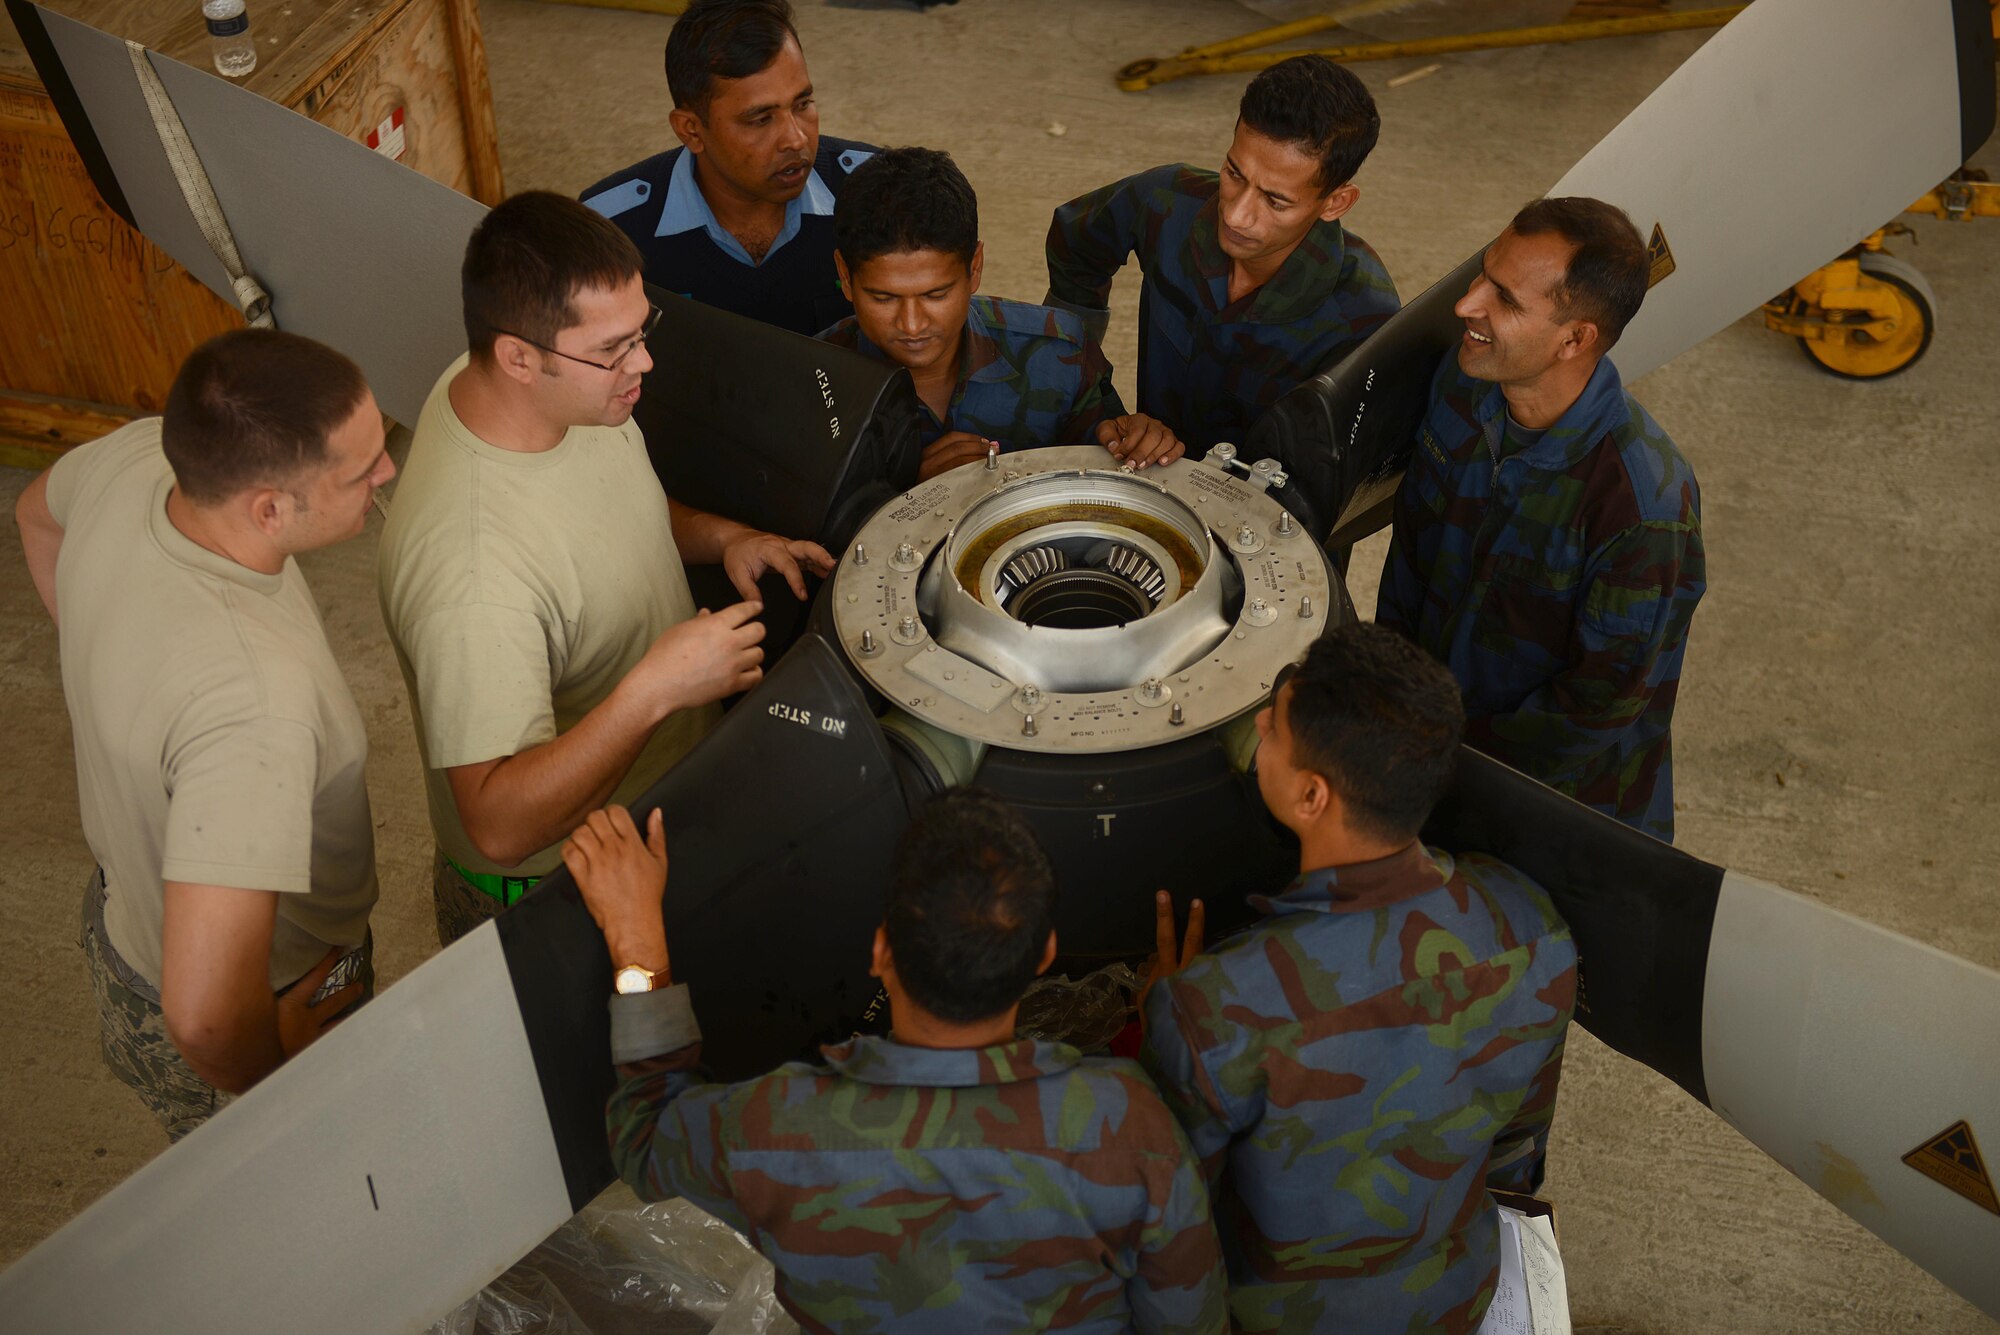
483,683
83,470
240,807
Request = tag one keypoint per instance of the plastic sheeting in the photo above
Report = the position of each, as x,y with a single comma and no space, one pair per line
1086,1012
621,1265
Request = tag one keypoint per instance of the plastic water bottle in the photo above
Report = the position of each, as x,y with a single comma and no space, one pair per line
229,39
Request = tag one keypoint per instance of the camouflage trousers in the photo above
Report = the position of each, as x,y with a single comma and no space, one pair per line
461,906
133,1029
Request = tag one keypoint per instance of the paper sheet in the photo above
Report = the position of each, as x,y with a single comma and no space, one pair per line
1532,1297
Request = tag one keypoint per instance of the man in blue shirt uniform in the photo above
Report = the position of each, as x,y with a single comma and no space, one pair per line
740,216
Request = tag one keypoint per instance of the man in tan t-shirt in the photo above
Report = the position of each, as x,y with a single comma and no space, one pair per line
219,754
531,570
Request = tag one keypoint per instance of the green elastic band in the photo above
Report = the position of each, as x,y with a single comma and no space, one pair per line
507,889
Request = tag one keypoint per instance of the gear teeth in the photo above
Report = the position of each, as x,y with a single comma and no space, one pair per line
1136,570
1031,565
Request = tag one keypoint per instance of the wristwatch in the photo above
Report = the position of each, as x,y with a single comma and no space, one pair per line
631,978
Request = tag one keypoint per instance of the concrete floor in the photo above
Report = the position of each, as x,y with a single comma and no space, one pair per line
1836,730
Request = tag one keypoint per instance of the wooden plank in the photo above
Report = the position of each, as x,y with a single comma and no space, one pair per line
35,429
409,66
475,95
94,311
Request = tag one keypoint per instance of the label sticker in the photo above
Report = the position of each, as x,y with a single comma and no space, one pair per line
1951,1159
1660,257
388,138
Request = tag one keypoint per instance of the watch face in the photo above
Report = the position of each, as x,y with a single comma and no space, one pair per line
632,979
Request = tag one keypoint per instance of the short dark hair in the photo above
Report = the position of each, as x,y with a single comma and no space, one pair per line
1379,720
971,906
906,199
528,259
1607,275
1321,107
723,39
254,407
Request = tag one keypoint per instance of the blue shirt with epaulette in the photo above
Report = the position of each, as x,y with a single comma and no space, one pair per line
660,206
1028,376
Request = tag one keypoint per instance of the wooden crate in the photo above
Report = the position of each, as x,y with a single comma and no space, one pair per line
98,318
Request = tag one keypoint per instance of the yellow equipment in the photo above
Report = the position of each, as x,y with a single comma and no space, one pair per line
1869,314
1590,19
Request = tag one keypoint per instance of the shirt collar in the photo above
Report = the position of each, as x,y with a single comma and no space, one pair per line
979,359
982,360
1307,278
182,549
1361,887
687,209
883,1061
1580,427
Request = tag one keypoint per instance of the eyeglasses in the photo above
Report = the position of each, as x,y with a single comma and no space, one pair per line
645,332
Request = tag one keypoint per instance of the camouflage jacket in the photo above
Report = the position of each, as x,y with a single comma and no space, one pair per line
1019,1187
1557,582
1028,376
1354,1071
1210,367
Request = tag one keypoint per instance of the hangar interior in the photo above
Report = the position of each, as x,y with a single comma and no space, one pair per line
1836,732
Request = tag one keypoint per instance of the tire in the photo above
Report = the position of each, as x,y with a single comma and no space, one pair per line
1916,322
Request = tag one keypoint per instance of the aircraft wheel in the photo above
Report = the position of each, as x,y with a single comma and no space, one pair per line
1862,357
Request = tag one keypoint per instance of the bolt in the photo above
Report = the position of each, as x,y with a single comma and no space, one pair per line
1306,608
905,553
1258,607
1028,726
1151,689
908,627
1245,535
1031,697
1178,716
867,641
992,458
861,553
1285,528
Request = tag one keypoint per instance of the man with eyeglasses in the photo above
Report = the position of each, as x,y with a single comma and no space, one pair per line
531,572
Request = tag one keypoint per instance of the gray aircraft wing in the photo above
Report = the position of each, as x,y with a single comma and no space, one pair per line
1744,173
1771,1009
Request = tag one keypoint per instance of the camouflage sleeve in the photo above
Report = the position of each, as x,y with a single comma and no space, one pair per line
1097,402
1089,238
1171,1052
1520,1151
666,1134
1634,610
1399,597
1180,1288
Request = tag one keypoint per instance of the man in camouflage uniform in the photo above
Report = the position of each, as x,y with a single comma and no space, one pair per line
1547,544
951,1174
1252,285
1358,1068
988,372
